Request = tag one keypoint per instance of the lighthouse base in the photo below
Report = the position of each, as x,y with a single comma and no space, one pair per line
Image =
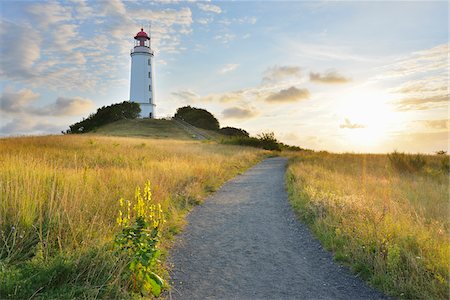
147,111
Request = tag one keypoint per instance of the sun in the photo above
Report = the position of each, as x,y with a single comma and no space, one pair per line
366,116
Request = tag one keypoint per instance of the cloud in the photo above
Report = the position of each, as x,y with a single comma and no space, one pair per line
15,102
187,95
291,94
424,61
209,8
29,125
330,77
437,124
242,20
67,107
433,84
204,21
20,102
45,14
278,73
239,113
349,125
228,68
225,38
422,103
61,56
18,62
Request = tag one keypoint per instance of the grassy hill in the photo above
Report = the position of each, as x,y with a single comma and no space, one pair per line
149,128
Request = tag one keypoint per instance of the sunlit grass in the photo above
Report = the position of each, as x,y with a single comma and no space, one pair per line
59,195
392,227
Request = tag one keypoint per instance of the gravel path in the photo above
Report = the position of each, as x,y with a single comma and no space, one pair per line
244,242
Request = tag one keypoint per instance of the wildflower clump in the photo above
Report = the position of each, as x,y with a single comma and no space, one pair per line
140,222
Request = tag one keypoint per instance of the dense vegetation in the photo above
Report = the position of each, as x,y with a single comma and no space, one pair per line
232,131
59,200
384,215
198,117
106,115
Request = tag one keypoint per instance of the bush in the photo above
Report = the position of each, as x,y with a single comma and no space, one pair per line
265,141
232,131
269,142
407,163
197,117
105,115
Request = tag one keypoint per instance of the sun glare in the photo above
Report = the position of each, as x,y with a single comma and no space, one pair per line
367,116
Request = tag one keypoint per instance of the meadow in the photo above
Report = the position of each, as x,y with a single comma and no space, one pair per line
59,202
384,216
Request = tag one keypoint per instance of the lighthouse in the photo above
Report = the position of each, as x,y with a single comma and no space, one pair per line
141,82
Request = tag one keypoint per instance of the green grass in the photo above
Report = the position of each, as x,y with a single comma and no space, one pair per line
388,223
149,128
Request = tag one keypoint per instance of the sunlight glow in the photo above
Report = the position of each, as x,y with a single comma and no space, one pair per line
367,116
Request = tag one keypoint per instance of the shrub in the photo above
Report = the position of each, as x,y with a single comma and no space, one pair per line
197,117
105,115
268,141
232,131
407,163
265,141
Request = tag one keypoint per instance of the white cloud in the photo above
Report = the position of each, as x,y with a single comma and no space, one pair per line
279,73
349,125
46,14
225,38
291,94
332,77
209,8
228,68
67,107
239,113
21,102
15,102
424,61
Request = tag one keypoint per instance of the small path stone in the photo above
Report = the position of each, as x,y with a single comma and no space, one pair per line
244,242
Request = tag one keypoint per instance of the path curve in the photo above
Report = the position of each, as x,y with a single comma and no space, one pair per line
244,242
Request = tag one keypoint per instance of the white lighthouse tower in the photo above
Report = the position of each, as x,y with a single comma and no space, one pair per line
141,83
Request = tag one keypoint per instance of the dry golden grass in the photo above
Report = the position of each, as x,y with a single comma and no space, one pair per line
391,227
58,194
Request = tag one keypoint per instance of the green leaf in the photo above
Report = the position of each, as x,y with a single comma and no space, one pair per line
156,278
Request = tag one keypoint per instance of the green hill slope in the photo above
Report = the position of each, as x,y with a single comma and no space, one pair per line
152,128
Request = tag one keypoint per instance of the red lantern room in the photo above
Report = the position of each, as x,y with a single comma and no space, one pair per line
142,39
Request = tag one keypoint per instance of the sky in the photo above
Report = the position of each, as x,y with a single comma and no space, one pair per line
356,76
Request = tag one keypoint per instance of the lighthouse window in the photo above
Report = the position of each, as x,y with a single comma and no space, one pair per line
149,74
149,61
149,88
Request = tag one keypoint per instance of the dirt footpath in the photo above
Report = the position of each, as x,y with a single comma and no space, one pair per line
245,242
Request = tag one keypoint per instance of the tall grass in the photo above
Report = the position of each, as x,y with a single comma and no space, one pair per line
58,204
389,225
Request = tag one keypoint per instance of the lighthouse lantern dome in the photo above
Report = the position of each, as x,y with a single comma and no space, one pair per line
142,38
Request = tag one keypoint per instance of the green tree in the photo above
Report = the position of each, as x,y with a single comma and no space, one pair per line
232,131
105,115
198,117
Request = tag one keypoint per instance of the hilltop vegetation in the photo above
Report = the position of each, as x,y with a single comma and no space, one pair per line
59,203
384,215
198,117
106,115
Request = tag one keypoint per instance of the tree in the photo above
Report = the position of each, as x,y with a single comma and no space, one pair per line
232,131
105,115
197,117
